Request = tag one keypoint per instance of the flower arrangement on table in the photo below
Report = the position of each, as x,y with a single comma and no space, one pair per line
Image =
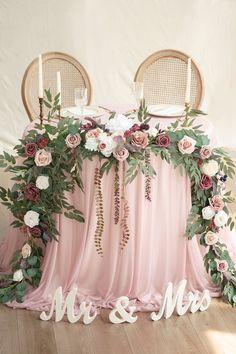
49,163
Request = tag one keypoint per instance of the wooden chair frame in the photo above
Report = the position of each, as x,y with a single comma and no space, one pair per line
45,57
175,54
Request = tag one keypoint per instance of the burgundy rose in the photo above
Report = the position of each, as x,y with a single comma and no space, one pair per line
42,142
31,192
162,140
135,128
31,149
206,182
35,231
144,126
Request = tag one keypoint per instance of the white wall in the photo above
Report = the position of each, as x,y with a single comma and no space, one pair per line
111,38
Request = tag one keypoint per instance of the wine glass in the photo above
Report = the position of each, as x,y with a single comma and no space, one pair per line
138,92
81,98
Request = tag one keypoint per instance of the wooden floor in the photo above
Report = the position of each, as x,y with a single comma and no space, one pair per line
213,331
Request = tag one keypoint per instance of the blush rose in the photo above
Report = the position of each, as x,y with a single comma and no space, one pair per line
139,139
205,152
186,145
73,140
217,202
43,158
121,154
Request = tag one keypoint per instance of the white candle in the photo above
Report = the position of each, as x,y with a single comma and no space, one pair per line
188,86
40,77
59,85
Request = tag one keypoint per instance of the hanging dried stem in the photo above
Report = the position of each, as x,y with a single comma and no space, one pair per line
123,223
99,211
147,178
117,194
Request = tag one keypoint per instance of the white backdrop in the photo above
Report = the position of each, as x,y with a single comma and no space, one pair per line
111,38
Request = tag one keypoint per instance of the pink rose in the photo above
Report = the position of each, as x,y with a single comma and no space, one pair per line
139,139
206,182
30,149
43,158
221,265
162,140
217,203
211,238
31,192
73,140
186,145
205,152
121,154
93,133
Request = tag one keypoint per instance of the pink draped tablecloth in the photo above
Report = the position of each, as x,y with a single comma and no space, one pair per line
157,251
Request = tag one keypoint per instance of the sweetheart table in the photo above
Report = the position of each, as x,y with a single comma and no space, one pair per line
157,251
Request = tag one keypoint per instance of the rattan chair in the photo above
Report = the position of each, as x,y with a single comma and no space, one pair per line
73,75
164,75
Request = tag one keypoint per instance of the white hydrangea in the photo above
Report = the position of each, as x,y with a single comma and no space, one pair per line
119,123
91,144
31,218
42,182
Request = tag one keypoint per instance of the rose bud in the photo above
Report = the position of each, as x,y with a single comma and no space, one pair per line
144,126
135,128
42,142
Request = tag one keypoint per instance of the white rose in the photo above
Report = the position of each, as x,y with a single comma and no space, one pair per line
152,132
26,251
91,144
31,218
119,123
42,182
18,275
220,218
208,213
210,168
211,238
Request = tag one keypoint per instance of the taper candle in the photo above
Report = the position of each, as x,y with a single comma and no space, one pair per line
40,77
59,86
188,86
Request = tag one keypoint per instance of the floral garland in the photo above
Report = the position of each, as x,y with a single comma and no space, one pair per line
49,163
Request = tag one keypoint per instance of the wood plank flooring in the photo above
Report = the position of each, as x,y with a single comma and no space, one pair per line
209,332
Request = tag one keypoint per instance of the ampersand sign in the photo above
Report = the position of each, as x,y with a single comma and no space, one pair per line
124,316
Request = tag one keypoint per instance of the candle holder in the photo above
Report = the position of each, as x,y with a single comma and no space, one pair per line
41,109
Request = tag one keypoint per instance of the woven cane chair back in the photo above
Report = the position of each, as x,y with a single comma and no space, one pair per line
164,75
73,75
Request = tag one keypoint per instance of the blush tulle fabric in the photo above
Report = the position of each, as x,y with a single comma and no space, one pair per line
157,251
